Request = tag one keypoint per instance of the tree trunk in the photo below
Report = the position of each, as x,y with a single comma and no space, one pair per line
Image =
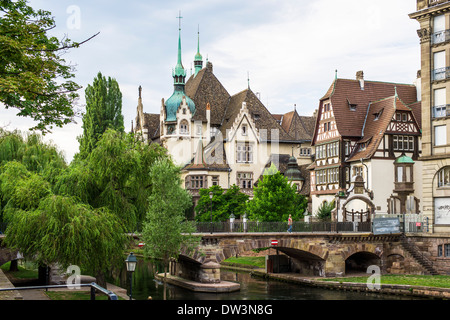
13,266
164,286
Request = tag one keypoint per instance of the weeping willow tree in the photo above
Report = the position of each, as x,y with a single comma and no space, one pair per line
114,175
30,150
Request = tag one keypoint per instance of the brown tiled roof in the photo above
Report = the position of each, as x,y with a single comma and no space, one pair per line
262,118
344,92
373,130
298,127
206,88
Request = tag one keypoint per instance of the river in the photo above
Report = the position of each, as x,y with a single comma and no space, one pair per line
252,288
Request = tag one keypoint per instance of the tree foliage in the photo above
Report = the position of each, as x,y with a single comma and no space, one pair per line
34,78
223,204
116,175
166,231
274,198
103,111
324,210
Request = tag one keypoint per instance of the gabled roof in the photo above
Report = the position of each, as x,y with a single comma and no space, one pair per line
261,117
205,88
343,92
212,157
378,117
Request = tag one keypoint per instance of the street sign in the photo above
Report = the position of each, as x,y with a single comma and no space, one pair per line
274,242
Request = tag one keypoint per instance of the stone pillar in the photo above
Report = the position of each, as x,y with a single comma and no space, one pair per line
334,265
209,272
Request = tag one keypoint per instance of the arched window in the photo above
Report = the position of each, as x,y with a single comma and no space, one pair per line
184,127
443,177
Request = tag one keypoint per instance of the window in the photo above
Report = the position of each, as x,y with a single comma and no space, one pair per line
184,129
439,103
403,143
199,129
245,180
214,131
347,147
444,250
439,65
438,29
443,177
215,180
196,182
305,152
440,135
244,130
244,153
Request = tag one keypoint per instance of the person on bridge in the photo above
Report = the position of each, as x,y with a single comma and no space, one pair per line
290,224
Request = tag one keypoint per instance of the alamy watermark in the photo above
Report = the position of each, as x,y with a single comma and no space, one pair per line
374,281
74,280
73,22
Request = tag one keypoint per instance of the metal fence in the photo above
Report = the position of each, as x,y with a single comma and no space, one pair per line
409,223
297,226
94,288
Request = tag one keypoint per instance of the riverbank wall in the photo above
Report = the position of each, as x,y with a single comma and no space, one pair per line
389,289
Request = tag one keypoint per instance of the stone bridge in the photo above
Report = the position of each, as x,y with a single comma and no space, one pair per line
6,254
310,254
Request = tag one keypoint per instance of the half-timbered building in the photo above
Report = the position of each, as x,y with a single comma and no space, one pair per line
367,142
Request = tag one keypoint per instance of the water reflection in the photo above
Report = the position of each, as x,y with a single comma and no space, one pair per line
252,288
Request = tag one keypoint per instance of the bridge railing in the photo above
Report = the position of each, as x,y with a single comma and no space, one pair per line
297,226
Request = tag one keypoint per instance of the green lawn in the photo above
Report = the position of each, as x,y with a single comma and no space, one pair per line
439,281
257,262
23,273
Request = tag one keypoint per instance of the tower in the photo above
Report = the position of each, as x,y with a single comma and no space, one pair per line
434,20
179,76
198,60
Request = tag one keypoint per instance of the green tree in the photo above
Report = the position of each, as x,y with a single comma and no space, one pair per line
324,210
116,175
274,198
57,229
224,203
166,231
34,78
103,111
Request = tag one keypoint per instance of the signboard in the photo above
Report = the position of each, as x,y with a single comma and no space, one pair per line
442,210
274,242
386,225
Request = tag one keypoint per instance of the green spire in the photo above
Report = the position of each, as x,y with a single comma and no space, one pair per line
198,61
179,73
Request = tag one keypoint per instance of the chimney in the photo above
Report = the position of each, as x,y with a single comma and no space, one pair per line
360,78
208,122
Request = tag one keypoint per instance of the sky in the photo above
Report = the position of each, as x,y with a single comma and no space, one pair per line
287,50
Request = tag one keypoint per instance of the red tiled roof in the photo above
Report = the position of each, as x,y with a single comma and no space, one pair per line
344,91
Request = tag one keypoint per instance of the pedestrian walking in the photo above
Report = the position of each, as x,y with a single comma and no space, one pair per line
290,224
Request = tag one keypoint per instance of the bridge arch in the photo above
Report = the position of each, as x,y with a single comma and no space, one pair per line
360,262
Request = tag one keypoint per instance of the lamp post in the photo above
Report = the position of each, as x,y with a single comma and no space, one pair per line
131,262
210,208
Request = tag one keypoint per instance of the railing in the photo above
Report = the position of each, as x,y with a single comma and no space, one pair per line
435,2
440,74
111,295
441,111
440,37
297,226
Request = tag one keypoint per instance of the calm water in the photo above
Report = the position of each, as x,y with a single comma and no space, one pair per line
252,288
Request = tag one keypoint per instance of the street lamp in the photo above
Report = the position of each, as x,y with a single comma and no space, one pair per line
210,198
232,217
131,262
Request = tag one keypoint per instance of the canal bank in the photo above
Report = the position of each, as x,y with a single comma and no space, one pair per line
388,289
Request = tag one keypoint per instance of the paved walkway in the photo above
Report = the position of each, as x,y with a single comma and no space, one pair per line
39,294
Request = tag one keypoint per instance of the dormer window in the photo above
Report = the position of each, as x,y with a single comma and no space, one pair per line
184,127
378,115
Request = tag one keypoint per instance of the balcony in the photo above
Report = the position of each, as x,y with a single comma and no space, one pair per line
440,74
440,37
441,111
432,3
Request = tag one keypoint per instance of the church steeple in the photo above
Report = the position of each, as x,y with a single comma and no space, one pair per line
198,61
179,74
